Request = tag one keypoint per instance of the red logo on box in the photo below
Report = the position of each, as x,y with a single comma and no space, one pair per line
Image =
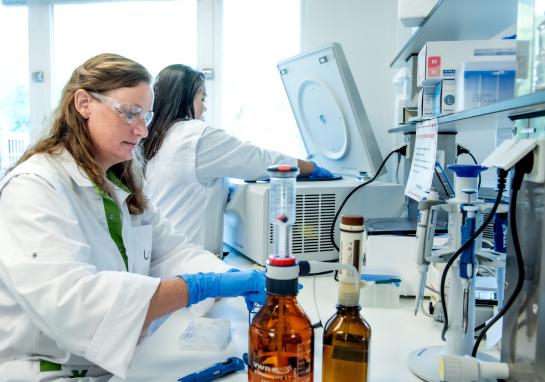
434,66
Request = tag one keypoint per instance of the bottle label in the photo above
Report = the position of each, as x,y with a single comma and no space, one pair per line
301,372
350,252
349,354
296,366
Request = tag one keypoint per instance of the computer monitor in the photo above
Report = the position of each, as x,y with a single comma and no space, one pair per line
329,111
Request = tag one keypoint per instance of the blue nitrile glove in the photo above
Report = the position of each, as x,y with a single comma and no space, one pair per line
249,284
319,172
250,300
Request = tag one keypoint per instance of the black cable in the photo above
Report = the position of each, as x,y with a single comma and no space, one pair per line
319,273
462,150
502,175
521,168
477,328
323,272
401,150
397,167
472,157
441,181
475,161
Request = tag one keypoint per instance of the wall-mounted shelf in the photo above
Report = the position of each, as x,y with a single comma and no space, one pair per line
451,20
450,122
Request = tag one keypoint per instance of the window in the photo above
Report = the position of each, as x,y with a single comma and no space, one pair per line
249,100
153,33
254,104
14,95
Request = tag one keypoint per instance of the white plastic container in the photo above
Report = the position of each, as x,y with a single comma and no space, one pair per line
381,292
401,82
206,334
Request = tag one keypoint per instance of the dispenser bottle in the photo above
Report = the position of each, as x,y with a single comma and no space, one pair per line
352,248
281,339
346,334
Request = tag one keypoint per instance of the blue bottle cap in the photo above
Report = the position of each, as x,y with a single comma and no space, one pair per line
466,170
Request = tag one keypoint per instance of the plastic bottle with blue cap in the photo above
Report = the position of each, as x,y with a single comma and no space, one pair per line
466,178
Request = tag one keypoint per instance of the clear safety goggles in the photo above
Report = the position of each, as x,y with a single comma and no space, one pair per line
131,114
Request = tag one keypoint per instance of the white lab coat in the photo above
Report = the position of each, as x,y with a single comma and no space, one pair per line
65,295
188,177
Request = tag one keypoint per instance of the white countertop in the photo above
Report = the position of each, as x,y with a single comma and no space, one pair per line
394,334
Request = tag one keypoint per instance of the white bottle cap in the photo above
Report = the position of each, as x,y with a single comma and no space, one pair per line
349,294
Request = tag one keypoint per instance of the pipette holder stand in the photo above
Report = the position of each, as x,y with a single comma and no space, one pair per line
424,362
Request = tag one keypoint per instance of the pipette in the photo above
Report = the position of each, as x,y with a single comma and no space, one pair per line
216,370
425,230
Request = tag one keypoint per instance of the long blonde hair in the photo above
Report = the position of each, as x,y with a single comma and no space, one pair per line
99,74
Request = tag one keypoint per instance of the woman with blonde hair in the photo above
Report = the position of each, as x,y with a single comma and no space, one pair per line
86,264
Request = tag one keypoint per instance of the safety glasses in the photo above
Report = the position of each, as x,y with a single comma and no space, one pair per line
131,114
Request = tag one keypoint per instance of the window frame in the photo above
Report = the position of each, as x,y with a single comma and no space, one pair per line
40,18
41,59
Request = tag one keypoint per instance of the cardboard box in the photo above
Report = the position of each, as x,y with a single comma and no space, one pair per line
401,83
426,99
409,113
412,65
445,97
440,60
448,97
484,82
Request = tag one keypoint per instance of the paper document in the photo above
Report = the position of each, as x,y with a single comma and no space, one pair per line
423,163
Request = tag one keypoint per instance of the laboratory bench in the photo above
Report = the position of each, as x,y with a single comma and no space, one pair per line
394,334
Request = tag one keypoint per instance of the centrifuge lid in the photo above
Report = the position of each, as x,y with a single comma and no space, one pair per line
329,111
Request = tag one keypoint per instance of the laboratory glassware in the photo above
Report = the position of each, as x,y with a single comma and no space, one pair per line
281,339
347,335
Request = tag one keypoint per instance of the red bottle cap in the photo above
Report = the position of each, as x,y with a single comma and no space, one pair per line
281,261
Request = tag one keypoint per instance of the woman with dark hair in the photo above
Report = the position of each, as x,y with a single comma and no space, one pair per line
86,265
189,161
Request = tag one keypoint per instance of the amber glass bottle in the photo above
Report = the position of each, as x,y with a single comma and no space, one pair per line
346,346
346,334
281,339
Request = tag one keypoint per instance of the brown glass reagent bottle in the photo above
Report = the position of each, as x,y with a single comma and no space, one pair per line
281,339
347,335
346,346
